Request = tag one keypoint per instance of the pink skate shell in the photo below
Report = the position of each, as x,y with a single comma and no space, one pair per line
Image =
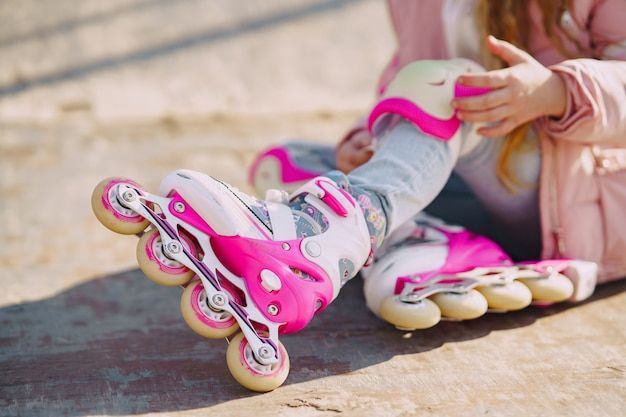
469,250
466,251
297,299
190,216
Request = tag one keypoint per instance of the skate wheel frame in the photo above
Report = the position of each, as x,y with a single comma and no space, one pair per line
470,294
546,284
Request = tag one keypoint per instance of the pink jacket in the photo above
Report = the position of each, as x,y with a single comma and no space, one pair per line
583,179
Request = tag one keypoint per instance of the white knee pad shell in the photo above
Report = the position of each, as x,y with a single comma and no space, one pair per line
421,92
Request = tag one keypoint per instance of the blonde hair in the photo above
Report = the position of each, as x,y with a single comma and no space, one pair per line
509,20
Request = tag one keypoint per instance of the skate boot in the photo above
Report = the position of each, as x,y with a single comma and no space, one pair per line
261,267
427,271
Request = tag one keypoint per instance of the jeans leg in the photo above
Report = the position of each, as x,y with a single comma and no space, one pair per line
404,175
312,156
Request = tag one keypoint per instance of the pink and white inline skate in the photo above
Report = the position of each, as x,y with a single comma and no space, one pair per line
240,261
428,270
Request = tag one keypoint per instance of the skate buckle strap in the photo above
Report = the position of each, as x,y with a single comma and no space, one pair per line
334,197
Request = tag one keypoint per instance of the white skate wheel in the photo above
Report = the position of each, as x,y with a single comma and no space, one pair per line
555,288
249,372
510,297
461,306
111,213
410,316
158,267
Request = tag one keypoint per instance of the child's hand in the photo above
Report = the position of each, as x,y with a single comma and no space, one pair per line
522,92
354,151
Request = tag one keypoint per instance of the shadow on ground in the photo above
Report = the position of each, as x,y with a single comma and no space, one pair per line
118,345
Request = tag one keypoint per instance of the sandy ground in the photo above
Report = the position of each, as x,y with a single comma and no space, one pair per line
91,89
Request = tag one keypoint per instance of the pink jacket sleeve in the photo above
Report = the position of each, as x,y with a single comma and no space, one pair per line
596,101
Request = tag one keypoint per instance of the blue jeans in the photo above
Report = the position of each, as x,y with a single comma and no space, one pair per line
407,171
412,171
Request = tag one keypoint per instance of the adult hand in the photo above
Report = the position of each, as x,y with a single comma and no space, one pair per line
520,93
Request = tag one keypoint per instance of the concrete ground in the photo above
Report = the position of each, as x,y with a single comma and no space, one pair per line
93,88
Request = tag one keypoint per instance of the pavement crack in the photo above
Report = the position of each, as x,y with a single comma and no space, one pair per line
297,403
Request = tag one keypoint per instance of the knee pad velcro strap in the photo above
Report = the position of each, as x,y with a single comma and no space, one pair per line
422,91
